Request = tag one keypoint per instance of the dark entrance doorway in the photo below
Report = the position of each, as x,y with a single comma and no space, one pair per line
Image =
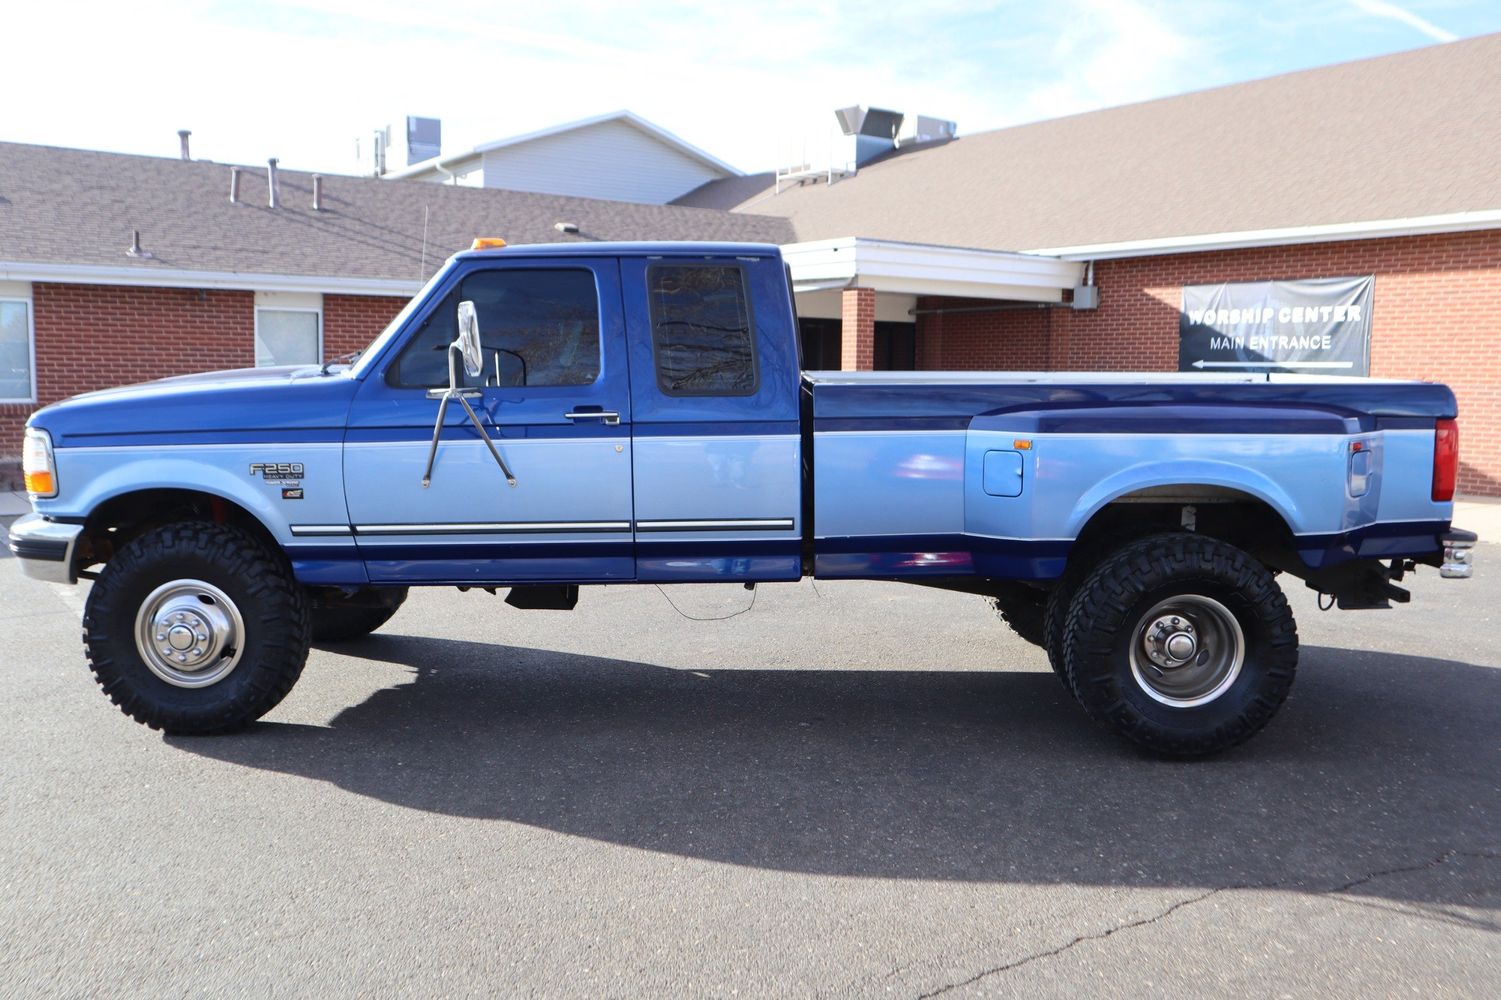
896,345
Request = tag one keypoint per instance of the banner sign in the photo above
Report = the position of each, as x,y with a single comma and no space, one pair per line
1318,326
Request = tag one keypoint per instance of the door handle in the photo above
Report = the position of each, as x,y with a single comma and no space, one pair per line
608,416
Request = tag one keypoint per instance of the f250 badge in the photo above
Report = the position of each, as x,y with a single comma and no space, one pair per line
279,474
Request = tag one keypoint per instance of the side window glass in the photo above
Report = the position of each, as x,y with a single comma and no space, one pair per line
537,327
701,330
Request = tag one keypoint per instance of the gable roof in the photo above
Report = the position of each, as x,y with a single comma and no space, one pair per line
629,118
1398,137
69,208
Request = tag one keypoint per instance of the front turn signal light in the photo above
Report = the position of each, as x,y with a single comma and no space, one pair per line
37,465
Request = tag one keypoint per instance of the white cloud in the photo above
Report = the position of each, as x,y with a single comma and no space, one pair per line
1111,52
1390,11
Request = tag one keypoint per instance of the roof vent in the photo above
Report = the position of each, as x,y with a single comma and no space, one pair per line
182,136
571,228
234,185
135,247
271,182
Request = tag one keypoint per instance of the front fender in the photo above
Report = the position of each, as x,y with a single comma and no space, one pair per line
89,477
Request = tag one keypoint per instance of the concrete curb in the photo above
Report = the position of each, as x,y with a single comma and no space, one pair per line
1480,516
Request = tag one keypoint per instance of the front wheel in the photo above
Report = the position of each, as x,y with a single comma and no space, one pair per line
196,628
1182,644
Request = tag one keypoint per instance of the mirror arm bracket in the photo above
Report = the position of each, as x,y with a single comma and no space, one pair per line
451,393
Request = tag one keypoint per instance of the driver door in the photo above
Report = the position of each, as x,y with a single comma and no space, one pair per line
554,398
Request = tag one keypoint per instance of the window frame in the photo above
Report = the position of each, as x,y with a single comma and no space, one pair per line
30,303
317,311
391,372
750,329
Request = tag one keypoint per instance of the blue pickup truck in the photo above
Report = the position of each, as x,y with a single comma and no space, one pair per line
540,418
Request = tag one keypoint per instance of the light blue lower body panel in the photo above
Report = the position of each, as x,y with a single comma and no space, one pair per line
718,507
568,518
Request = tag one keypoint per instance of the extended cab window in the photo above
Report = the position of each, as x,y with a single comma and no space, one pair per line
538,328
701,330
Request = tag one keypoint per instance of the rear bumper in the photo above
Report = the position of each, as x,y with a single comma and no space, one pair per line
1459,550
45,548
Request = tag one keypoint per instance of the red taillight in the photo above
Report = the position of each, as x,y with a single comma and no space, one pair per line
1445,459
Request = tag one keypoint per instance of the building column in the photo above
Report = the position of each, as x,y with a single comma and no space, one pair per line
857,342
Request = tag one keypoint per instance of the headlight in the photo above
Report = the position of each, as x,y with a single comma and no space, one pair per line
37,464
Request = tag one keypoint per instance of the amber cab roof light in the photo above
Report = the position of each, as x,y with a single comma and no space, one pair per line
487,243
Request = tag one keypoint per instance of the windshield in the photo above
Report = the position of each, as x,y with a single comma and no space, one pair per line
369,354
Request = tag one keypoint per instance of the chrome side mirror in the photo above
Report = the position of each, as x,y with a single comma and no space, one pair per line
468,344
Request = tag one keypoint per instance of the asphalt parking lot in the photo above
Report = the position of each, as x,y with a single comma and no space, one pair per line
852,790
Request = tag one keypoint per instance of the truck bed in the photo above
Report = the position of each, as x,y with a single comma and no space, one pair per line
997,474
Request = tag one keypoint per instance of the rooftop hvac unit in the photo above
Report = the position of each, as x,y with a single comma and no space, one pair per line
424,138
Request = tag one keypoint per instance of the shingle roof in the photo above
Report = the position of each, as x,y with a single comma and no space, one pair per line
69,206
1400,136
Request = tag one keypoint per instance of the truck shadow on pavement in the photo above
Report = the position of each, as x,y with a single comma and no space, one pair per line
1379,764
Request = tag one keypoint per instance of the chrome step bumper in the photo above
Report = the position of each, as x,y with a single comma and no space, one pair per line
45,548
1459,550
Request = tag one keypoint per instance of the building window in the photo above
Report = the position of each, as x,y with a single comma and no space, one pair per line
701,330
288,329
17,346
537,328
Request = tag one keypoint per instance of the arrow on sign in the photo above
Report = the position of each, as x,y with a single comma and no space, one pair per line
1273,364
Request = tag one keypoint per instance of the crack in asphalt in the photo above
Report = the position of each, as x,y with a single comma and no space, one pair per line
1434,862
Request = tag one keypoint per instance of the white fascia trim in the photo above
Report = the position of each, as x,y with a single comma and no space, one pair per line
1423,225
924,269
655,131
103,274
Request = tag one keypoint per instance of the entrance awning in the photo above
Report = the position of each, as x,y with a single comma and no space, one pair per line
922,269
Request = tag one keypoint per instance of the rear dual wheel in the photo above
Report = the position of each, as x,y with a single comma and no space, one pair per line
1182,644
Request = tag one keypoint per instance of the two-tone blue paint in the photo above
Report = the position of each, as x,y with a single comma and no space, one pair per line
699,488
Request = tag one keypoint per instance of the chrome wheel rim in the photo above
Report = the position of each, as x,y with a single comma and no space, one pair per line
1186,651
189,633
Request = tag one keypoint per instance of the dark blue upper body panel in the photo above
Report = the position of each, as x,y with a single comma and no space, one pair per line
249,404
890,399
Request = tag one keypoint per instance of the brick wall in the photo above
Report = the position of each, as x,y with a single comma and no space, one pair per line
971,336
351,321
95,336
1436,314
857,338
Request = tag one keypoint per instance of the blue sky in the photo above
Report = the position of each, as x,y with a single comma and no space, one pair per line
742,80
